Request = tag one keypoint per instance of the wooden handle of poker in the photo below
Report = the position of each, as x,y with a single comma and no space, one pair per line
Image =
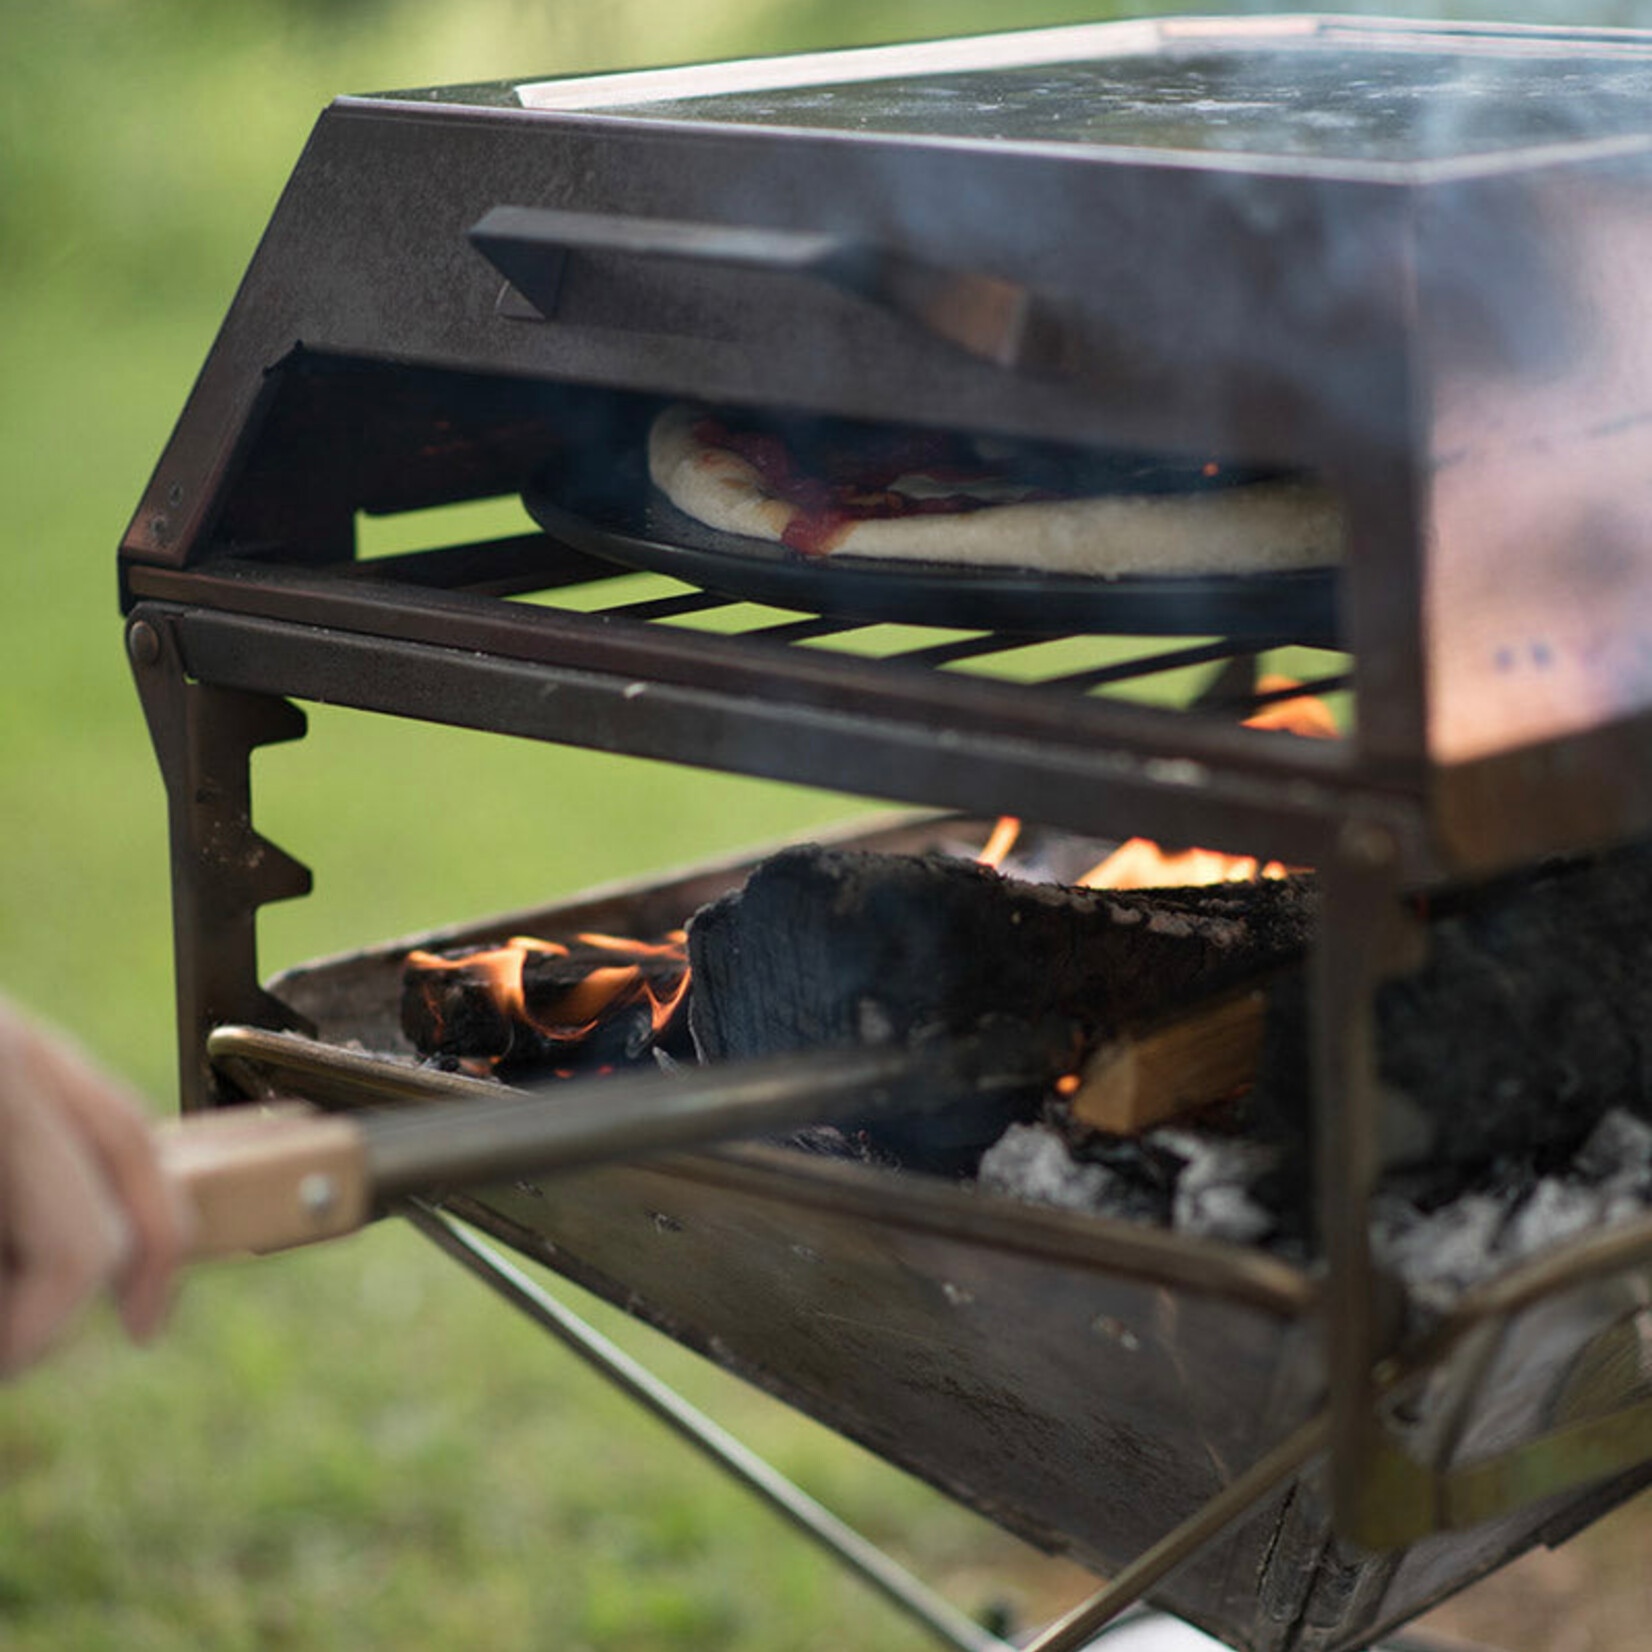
264,1178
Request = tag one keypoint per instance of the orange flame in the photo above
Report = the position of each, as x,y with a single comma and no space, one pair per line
1299,714
569,1015
999,844
1140,863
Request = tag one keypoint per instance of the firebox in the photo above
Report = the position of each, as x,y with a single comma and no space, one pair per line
1400,262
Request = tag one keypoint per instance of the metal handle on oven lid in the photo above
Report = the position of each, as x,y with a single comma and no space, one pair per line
997,320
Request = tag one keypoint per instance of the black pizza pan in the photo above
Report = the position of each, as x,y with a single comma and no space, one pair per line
601,502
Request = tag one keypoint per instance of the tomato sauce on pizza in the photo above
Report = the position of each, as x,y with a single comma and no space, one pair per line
833,484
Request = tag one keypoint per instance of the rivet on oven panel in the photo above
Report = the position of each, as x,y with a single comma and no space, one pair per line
175,495
317,1194
143,643
159,530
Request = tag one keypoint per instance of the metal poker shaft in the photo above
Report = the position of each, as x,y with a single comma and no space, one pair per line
267,1179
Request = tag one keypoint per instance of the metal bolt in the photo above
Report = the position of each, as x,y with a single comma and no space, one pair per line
175,495
317,1195
143,643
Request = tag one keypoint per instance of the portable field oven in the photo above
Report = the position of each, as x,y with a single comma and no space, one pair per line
1407,259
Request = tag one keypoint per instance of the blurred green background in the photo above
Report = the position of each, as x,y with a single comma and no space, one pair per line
352,1447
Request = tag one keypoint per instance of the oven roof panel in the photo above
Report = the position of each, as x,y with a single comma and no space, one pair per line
1296,87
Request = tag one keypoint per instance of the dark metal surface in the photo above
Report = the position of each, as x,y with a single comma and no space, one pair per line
633,1115
1103,766
996,320
1301,87
599,500
222,870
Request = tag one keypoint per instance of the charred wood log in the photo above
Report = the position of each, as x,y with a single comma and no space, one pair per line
1531,1019
831,947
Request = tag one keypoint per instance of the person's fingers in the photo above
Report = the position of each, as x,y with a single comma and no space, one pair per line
112,1125
61,1236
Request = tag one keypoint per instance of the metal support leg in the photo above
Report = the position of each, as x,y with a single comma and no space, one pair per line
848,1547
222,870
1080,1626
1380,1497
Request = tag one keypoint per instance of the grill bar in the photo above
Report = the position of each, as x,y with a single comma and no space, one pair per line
617,639
658,608
1150,665
968,648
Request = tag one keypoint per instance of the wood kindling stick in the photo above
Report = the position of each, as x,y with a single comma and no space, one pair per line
1148,1074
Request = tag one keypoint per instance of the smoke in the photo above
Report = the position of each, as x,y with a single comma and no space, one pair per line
1587,14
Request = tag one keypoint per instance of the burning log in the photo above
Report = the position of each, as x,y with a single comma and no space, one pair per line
827,947
597,1000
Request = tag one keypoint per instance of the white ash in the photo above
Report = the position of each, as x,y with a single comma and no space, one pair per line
1213,1197
1031,1162
1618,1153
1438,1253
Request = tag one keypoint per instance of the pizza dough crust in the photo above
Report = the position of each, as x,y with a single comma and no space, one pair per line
1260,527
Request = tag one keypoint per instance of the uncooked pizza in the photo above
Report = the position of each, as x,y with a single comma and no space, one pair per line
827,489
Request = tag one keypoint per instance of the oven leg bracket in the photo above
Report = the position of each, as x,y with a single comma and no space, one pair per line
222,870
943,1620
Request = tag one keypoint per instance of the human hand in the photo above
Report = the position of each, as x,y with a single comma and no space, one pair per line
83,1203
